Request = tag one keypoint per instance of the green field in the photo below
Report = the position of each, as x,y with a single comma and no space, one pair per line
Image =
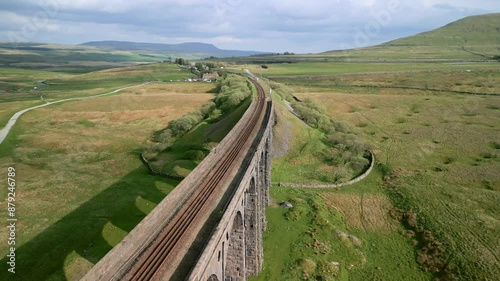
433,116
315,241
327,235
340,68
72,159
439,139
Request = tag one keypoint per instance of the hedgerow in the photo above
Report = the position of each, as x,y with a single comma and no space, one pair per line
346,151
233,90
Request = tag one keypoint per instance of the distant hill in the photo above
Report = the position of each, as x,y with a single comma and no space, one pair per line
472,37
192,48
475,30
93,56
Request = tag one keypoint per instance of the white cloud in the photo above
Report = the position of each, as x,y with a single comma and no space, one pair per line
313,8
226,39
12,19
367,3
277,25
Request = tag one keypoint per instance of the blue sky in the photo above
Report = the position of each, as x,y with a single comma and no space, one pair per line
262,25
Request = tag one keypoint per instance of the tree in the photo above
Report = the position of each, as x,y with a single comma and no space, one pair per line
207,108
181,61
166,136
180,126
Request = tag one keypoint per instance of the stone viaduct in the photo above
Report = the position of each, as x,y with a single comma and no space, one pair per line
235,249
228,243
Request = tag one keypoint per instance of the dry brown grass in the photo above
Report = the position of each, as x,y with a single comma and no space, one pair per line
365,212
119,71
8,109
443,144
170,88
69,152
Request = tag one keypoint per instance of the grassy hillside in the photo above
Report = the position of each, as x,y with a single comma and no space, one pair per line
67,58
471,31
473,37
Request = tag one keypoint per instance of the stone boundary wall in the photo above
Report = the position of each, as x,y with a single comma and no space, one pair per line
338,185
117,261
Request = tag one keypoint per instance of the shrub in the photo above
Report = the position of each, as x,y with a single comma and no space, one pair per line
307,114
166,136
183,125
495,145
234,90
358,163
207,108
385,168
151,149
347,151
194,117
342,174
341,126
180,126
195,155
215,115
332,156
308,265
233,100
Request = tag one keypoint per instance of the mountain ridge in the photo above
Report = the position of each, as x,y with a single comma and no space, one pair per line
187,47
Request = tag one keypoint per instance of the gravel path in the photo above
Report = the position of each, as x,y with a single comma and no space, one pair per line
5,130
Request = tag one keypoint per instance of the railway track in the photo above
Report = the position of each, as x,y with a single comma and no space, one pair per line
156,257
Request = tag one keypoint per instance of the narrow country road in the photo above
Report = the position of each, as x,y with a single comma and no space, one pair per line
5,130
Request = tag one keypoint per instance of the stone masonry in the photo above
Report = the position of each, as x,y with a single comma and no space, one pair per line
235,249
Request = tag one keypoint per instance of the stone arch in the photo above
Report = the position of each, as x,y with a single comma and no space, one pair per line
263,188
251,188
252,228
223,262
235,259
267,168
213,277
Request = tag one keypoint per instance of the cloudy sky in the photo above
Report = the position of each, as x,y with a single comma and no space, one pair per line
265,25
